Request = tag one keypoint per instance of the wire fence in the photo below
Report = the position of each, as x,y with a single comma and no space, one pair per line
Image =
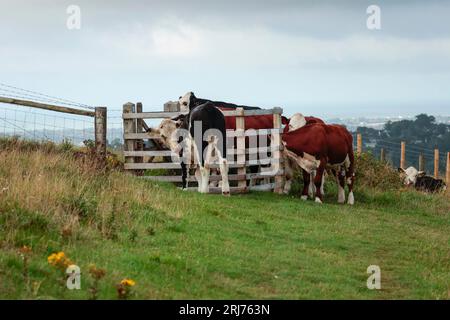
392,153
42,125
28,123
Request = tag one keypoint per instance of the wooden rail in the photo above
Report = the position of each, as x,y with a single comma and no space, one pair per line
100,120
45,106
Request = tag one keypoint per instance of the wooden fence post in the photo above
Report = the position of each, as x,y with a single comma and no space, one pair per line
436,163
402,155
139,145
421,162
447,178
100,134
240,146
382,155
358,144
128,127
276,154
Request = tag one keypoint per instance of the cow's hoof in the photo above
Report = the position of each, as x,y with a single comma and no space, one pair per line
318,200
226,193
304,198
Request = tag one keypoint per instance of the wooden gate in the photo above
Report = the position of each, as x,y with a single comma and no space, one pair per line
240,156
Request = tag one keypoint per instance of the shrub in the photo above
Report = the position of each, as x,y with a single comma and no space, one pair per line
376,174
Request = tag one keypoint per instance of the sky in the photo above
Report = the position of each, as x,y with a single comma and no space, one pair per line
314,57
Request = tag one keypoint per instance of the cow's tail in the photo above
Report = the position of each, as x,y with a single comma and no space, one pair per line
350,176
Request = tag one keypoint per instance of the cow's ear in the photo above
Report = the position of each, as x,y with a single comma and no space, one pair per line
178,124
421,173
401,170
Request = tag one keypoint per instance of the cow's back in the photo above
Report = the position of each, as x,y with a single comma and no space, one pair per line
331,141
309,139
340,143
250,122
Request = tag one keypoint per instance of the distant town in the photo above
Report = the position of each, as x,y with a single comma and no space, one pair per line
378,122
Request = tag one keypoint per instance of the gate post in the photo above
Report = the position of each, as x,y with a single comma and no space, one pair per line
240,147
276,154
100,134
128,127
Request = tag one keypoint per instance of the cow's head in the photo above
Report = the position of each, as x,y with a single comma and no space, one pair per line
187,102
296,121
410,175
166,133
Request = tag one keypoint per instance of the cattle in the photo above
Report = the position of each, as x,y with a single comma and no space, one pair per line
297,121
255,122
189,101
420,181
409,175
204,141
316,147
430,184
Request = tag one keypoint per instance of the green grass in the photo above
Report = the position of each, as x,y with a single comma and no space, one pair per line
177,244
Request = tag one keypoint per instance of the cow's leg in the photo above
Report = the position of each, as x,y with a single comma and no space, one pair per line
184,176
198,176
322,185
318,181
184,171
306,182
204,171
350,177
341,185
311,186
224,172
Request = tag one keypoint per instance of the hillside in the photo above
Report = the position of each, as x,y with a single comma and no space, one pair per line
176,244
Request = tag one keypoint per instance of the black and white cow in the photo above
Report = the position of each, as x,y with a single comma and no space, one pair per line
204,142
420,181
430,184
189,101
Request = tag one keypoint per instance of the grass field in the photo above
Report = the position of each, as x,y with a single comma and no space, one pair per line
177,244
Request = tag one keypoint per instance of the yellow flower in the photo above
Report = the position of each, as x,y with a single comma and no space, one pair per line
128,282
59,259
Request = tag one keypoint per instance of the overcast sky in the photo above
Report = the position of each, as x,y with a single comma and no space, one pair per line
315,57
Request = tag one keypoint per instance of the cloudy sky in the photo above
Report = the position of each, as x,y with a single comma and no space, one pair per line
316,57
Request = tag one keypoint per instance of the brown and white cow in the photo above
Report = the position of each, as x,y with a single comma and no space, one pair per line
298,120
316,147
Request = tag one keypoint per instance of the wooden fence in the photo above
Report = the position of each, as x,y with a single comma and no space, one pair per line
241,156
402,163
